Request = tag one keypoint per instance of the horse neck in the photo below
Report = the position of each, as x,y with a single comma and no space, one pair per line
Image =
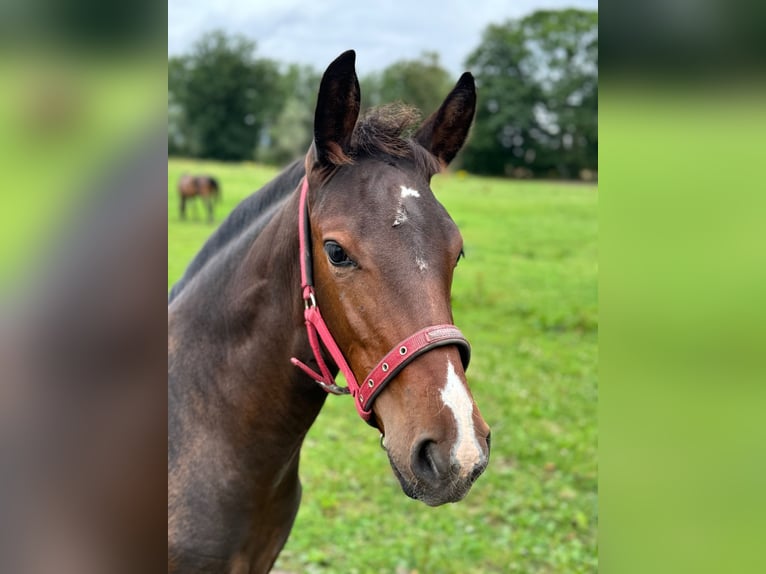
267,297
250,328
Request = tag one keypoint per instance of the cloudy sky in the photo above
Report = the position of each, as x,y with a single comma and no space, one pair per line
315,32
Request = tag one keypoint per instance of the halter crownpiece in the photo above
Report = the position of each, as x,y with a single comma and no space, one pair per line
389,366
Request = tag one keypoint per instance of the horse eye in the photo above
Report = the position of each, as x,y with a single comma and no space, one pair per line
337,255
460,256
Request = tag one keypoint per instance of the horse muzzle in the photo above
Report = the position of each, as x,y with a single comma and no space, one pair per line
435,475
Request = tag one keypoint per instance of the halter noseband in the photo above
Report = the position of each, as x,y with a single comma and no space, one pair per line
389,366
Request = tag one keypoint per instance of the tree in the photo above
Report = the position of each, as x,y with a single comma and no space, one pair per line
226,97
422,83
370,86
538,87
291,133
178,136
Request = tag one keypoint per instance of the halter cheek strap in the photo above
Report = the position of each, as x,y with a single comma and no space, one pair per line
315,325
389,366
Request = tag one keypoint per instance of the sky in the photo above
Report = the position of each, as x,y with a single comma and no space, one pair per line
316,32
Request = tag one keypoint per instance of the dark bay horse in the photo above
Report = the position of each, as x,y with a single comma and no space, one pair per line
354,230
203,186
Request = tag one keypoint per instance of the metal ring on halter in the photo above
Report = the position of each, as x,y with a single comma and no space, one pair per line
311,299
334,389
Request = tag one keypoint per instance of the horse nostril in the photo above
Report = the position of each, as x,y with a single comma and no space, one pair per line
476,472
423,463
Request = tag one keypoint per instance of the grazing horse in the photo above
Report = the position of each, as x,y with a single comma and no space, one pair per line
353,231
202,186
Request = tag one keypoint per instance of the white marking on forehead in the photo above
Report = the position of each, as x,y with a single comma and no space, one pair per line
466,451
409,192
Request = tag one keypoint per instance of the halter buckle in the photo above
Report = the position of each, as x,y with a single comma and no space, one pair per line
309,301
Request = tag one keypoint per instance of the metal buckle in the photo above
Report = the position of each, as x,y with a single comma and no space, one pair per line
334,389
310,301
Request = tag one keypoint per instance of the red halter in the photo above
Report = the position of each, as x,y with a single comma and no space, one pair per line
395,360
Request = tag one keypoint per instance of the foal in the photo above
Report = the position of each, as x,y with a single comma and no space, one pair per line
203,186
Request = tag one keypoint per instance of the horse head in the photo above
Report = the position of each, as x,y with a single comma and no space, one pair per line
384,253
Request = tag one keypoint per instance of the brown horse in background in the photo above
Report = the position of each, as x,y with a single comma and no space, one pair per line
381,254
203,186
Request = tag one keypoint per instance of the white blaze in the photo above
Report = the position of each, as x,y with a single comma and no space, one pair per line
466,451
409,192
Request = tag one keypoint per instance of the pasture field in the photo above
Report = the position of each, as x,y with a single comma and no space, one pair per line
526,297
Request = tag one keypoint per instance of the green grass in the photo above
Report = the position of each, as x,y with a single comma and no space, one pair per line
526,298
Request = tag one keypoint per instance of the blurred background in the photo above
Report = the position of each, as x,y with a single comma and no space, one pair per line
681,283
82,271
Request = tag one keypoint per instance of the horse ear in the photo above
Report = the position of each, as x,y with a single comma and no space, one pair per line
445,131
337,110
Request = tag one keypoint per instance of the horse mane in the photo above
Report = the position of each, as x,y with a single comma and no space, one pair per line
250,213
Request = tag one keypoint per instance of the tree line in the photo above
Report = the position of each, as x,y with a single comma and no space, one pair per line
537,79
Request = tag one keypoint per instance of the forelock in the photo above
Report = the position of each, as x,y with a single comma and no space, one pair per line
387,131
